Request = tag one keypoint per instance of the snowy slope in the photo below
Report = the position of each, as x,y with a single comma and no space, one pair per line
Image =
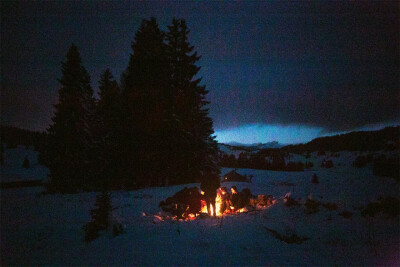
13,171
39,229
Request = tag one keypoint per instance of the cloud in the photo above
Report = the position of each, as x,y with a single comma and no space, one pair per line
335,97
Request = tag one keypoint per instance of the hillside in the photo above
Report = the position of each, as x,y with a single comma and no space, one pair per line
385,139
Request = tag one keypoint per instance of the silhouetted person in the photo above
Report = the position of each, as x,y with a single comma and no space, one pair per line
225,199
234,198
209,186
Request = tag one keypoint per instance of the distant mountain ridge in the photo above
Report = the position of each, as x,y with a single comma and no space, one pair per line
273,144
385,139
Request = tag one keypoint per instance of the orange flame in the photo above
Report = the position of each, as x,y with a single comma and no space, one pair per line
218,203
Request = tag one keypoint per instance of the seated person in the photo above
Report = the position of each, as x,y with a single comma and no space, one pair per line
234,199
239,200
225,199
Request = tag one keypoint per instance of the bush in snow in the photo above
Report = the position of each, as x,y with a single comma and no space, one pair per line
101,214
346,214
117,229
100,217
315,179
388,205
389,167
26,164
362,161
327,164
312,206
308,165
91,231
294,166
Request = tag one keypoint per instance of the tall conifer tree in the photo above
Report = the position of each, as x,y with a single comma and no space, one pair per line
106,130
144,104
68,153
200,151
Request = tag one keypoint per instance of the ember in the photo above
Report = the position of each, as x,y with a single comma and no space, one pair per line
189,203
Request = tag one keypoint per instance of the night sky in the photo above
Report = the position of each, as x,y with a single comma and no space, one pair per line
285,71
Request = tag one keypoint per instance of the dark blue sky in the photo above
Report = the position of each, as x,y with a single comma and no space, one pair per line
286,71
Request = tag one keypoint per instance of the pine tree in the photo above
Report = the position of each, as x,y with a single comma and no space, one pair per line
68,151
144,104
200,150
106,129
100,216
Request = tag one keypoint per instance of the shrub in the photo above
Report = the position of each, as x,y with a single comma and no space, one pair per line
308,165
100,217
346,214
101,214
389,206
327,164
312,206
117,229
294,166
315,179
91,231
330,206
26,164
388,167
362,161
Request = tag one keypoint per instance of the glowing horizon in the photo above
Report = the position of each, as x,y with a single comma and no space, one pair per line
284,134
262,133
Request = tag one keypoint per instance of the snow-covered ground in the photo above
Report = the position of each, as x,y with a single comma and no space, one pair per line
12,170
38,229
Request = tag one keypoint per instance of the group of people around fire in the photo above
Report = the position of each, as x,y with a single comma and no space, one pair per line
230,202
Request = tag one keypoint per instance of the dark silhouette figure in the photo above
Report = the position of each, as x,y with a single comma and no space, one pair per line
209,186
225,199
234,198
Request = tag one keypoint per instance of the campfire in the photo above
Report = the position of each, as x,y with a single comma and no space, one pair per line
189,203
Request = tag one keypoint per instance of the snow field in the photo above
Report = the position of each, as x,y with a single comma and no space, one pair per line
12,170
38,229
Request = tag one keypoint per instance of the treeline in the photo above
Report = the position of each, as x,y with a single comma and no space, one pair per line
151,128
13,137
385,139
382,165
275,162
